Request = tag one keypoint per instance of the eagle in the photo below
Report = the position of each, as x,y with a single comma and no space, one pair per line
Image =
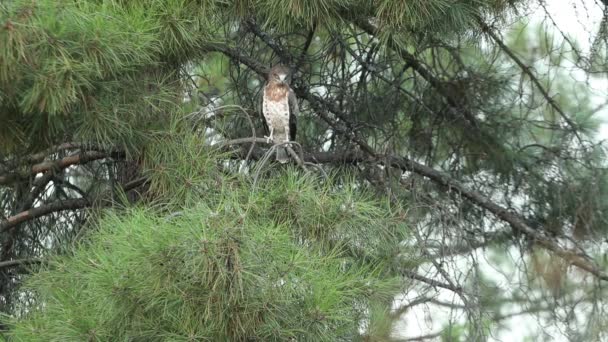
280,107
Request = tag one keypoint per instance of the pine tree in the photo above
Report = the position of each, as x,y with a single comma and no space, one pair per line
431,133
289,259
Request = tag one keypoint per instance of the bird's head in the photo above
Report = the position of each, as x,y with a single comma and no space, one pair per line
279,74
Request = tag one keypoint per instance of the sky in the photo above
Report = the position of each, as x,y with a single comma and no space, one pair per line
578,19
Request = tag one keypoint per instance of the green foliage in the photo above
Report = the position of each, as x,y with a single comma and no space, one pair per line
209,256
453,333
100,69
103,71
333,217
436,18
287,15
292,258
420,15
182,169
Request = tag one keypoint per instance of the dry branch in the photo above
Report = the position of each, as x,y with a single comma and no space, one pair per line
19,262
526,70
59,164
69,204
323,108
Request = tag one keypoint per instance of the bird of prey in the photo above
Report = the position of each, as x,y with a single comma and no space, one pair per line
280,107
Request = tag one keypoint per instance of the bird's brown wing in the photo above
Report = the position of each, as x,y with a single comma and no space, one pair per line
294,110
265,123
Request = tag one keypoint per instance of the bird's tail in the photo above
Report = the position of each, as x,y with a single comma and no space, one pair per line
282,156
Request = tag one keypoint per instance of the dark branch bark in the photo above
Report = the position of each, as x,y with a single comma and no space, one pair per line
81,158
39,157
19,262
467,247
526,70
432,282
420,338
452,100
323,108
69,204
309,37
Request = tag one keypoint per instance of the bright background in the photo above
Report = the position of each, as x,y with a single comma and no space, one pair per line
580,21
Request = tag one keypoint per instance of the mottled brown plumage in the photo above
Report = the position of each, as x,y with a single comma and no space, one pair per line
280,108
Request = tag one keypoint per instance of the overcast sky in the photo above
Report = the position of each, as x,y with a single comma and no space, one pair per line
580,20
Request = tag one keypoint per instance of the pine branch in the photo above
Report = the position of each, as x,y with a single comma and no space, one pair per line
19,262
242,141
59,164
426,337
467,246
39,156
526,70
61,205
516,222
69,204
237,56
452,100
284,55
323,108
432,282
309,37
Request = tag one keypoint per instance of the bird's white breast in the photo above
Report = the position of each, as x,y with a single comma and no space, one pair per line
277,113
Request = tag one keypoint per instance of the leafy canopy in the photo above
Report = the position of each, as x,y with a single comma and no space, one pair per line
292,258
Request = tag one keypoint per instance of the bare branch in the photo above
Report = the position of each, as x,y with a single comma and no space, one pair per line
19,262
415,64
420,338
69,204
432,282
80,158
322,109
533,78
301,59
241,141
39,156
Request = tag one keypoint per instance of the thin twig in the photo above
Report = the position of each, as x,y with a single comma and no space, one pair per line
61,205
249,120
80,158
19,262
323,107
533,78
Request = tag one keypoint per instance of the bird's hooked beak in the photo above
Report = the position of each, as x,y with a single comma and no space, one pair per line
282,78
